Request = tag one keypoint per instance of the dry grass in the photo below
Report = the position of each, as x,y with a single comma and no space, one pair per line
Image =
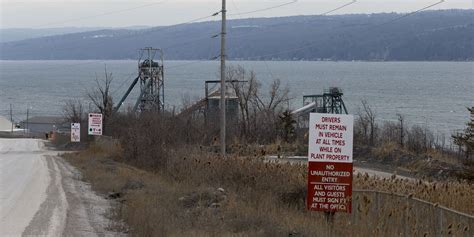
455,195
390,148
258,199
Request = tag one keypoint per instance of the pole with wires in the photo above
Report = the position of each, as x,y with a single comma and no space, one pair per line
27,119
11,116
223,84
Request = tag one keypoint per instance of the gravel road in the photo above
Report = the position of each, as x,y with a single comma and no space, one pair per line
41,194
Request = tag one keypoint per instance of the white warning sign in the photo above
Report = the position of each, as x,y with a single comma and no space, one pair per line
331,138
95,124
75,132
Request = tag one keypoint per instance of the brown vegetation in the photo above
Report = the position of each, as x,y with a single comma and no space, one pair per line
195,193
168,179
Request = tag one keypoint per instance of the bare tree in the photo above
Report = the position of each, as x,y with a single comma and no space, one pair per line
100,96
277,97
73,111
267,110
367,121
416,139
244,91
389,132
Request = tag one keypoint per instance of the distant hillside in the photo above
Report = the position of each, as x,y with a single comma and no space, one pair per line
16,34
431,35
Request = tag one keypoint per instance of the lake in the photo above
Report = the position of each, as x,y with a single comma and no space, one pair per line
434,94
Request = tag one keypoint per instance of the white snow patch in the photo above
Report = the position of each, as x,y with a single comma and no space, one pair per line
97,36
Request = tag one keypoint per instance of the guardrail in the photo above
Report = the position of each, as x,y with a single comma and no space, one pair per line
391,214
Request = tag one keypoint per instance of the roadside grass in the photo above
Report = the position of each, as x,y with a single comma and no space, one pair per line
197,193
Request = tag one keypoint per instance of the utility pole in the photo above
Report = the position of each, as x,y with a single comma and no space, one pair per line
27,119
400,119
223,84
11,116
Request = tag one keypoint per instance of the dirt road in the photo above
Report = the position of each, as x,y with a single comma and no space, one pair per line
357,169
41,194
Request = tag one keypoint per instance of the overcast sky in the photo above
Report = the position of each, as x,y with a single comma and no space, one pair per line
120,13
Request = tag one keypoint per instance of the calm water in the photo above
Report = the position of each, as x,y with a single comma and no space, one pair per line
435,94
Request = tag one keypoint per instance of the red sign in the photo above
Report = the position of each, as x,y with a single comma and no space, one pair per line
330,163
329,186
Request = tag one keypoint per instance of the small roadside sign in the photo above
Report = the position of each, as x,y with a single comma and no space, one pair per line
95,124
75,132
330,162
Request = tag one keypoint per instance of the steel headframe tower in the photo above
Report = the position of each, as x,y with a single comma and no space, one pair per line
151,77
329,102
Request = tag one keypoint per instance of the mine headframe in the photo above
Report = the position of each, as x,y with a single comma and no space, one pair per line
151,78
329,102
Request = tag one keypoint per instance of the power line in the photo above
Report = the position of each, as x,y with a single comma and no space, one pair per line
265,62
100,15
259,10
338,8
311,44
410,14
163,28
156,29
131,35
152,30
239,14
321,14
193,62
318,15
250,12
205,38
260,56
265,9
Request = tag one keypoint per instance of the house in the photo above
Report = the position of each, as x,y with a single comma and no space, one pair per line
44,124
5,124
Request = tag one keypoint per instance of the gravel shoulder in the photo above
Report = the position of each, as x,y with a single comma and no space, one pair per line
43,195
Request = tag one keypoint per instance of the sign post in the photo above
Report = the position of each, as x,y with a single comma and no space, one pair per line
330,163
95,124
75,132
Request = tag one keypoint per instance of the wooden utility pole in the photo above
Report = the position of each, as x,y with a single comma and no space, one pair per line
223,84
11,116
400,119
27,119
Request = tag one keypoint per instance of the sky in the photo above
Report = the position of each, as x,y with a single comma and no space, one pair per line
122,13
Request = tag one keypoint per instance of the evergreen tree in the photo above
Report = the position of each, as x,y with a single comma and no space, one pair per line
466,139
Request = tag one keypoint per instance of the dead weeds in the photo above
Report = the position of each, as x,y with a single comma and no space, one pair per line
201,194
